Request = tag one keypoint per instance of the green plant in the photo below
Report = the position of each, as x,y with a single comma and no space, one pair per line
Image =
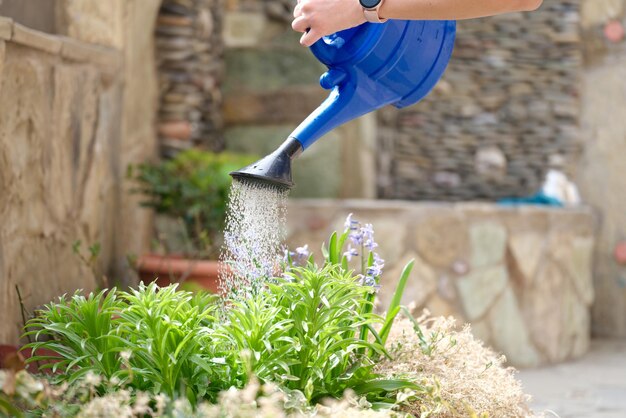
314,329
155,341
192,187
82,332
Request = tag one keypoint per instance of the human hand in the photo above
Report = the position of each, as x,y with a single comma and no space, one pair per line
319,18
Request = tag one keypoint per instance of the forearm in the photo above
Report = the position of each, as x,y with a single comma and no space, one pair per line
452,9
317,18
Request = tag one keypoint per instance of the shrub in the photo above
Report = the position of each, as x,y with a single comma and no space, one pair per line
192,187
460,377
156,341
305,332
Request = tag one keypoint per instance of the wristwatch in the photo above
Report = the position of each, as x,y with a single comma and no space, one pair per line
371,9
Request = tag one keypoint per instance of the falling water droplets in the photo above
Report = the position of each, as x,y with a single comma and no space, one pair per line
253,237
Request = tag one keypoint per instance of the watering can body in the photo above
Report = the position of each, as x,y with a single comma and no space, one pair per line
369,67
375,65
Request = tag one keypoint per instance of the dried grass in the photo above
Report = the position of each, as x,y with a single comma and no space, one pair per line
461,377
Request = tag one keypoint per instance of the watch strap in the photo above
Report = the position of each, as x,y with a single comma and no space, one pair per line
372,15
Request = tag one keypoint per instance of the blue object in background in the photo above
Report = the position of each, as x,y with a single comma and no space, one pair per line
369,67
539,199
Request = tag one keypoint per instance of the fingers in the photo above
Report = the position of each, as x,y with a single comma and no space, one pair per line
297,11
309,38
303,22
300,24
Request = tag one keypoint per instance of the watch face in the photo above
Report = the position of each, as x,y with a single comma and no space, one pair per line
370,4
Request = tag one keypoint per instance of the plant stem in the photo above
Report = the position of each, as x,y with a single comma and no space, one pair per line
22,310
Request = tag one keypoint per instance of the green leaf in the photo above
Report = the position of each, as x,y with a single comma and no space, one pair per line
340,245
8,409
394,306
385,385
344,263
332,249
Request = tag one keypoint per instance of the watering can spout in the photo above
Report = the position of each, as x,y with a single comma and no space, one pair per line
273,170
369,67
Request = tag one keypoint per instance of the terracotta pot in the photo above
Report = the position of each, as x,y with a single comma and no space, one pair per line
175,130
11,357
168,269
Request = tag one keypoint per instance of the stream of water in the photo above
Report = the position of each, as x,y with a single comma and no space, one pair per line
253,237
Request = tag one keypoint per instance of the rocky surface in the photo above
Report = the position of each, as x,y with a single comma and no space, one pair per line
521,276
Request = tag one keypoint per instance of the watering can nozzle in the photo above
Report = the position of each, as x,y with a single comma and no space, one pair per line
274,169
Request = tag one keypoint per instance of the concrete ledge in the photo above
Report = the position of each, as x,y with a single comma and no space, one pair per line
6,28
108,60
36,39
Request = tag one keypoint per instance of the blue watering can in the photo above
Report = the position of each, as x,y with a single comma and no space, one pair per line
369,67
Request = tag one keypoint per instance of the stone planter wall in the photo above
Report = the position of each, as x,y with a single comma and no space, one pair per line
520,276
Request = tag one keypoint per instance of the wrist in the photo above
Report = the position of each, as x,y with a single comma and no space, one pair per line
371,10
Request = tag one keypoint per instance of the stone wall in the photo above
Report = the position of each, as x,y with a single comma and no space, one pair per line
506,109
520,276
73,116
99,22
602,171
189,59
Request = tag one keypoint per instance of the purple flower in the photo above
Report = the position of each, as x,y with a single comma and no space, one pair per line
370,244
368,230
302,252
368,235
298,257
352,252
356,238
351,224
375,270
369,282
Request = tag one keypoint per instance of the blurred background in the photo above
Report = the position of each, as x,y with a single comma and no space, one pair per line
532,105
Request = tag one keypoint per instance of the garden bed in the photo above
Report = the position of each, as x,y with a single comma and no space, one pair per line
305,343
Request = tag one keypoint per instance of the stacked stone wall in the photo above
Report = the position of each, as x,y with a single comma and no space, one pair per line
507,108
189,58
